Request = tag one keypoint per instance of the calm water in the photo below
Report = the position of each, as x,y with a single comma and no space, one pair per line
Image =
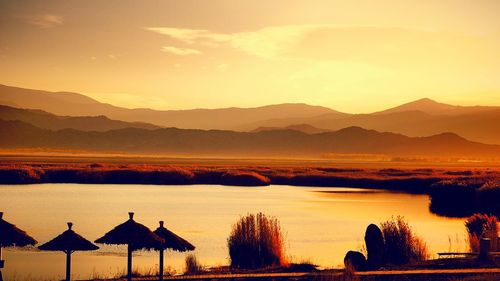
321,224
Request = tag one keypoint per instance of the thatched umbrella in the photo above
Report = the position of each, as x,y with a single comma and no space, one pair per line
135,235
172,242
68,242
10,236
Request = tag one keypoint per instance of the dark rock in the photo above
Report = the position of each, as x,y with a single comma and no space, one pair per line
355,260
374,246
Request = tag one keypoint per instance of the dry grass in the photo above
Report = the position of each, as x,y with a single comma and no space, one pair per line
482,226
193,266
256,241
401,244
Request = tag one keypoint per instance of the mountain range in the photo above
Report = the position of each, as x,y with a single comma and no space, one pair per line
73,104
277,143
419,118
408,127
45,120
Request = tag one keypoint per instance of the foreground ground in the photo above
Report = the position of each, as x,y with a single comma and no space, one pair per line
478,274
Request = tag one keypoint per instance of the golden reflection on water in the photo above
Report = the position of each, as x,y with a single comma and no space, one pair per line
321,224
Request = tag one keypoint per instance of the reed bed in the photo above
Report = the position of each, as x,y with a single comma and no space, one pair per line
454,192
256,241
401,244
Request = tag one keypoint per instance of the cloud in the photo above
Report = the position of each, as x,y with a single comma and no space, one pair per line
46,20
360,44
180,51
192,36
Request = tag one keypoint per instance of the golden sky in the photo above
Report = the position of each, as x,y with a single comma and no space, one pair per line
353,56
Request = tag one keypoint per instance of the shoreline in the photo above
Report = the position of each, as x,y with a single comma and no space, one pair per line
455,191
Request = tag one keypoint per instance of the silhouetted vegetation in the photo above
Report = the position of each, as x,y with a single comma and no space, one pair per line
464,196
394,243
482,226
256,241
401,243
193,266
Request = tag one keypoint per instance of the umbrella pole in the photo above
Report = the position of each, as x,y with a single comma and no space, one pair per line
1,263
129,263
161,265
68,265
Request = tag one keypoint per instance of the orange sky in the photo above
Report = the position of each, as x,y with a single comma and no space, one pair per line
353,56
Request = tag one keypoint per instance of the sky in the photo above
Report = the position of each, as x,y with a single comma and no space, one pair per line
352,56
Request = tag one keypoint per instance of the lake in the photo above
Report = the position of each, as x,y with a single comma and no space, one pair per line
321,224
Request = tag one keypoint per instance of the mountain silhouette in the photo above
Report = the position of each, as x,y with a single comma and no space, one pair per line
50,121
419,118
276,143
305,128
72,104
432,107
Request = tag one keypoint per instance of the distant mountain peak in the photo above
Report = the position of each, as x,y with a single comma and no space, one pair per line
425,105
424,101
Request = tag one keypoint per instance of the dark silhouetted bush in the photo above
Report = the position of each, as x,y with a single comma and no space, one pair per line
256,241
488,196
482,226
455,198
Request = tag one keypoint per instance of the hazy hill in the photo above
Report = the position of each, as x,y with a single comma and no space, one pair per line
50,121
432,107
479,126
305,128
72,104
290,143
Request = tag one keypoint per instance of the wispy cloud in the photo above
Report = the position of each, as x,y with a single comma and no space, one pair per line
361,44
192,36
180,51
46,20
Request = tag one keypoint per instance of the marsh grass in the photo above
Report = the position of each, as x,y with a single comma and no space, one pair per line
256,241
402,245
193,266
482,226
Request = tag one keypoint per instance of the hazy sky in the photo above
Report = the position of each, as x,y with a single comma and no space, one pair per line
353,56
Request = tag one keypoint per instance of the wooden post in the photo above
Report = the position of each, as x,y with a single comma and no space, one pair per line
129,263
1,261
484,248
68,265
161,265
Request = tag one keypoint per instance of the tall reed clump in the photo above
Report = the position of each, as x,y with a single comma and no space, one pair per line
482,226
193,266
256,241
401,244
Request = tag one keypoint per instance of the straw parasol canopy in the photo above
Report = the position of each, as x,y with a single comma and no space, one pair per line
10,236
135,235
172,242
69,241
